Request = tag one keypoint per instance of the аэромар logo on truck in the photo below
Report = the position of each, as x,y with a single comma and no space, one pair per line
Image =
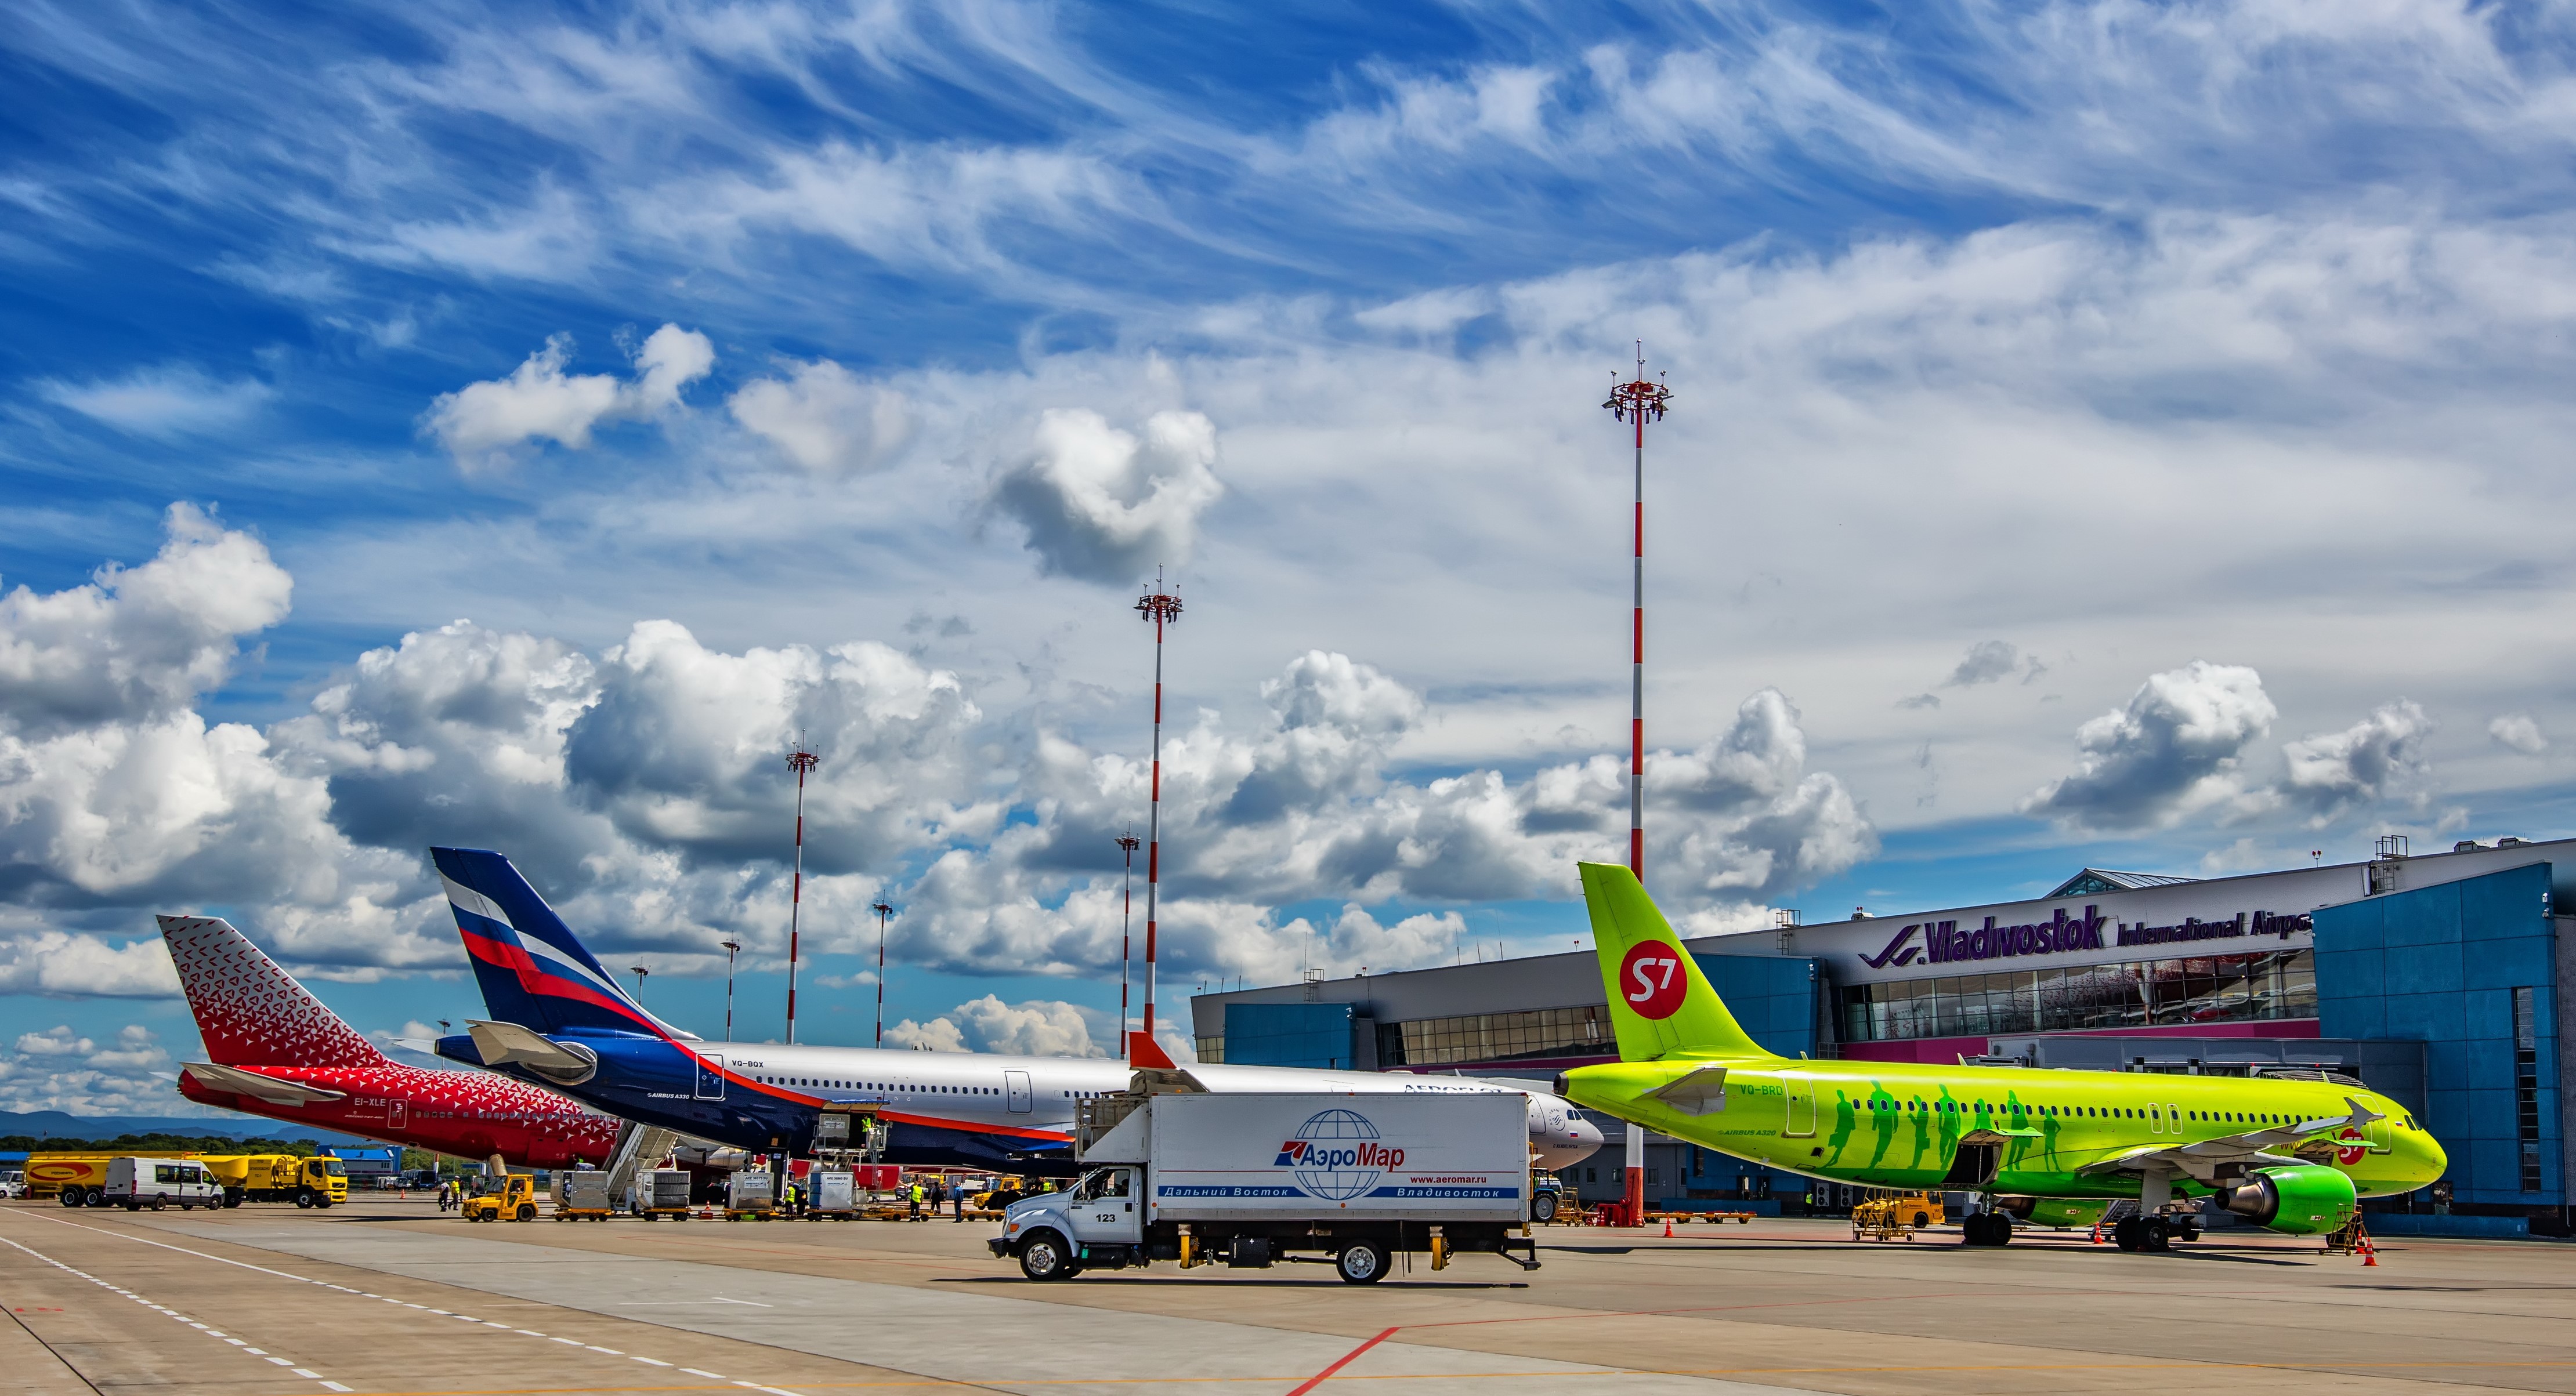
1336,1155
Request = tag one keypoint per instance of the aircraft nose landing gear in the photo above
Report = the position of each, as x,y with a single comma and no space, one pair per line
1986,1229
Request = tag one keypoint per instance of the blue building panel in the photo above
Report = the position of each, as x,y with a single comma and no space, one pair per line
1288,1034
2440,966
1775,998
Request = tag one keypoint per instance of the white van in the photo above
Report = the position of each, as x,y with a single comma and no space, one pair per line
158,1182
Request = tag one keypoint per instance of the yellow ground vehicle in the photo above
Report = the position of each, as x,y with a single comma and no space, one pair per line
75,1178
1894,1216
318,1181
1004,1192
509,1198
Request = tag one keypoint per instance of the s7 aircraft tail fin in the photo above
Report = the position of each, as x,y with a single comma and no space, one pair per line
249,1010
1660,1004
533,971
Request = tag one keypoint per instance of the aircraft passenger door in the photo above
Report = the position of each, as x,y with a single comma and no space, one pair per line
710,1084
396,1112
1799,1118
1015,1085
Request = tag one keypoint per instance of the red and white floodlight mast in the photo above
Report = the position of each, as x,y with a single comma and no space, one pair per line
1163,609
1126,916
1636,401
883,911
800,761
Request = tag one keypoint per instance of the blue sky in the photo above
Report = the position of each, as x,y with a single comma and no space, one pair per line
2105,433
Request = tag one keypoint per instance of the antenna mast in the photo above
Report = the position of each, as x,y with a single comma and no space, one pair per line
799,760
1163,609
1637,401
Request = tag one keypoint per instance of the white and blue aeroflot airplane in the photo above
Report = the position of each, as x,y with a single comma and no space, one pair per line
560,1020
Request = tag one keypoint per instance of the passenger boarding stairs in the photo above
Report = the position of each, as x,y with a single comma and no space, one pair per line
638,1147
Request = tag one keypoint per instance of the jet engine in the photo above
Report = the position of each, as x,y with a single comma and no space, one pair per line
2303,1200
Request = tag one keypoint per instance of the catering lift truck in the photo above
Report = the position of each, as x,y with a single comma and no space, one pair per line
1252,1180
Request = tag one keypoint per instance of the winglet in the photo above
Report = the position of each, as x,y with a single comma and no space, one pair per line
1144,1053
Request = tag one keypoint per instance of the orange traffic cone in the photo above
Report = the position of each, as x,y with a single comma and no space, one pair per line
1668,1228
2369,1253
2097,1233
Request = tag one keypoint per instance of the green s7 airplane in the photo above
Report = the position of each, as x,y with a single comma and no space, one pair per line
2056,1147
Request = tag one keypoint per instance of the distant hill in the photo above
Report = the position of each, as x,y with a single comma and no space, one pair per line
54,1124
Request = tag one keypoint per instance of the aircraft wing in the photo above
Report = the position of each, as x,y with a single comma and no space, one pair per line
2269,1145
1701,1092
250,1083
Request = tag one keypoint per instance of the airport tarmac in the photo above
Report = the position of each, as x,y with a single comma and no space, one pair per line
386,1296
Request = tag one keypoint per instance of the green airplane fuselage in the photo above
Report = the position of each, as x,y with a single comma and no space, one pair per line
1899,1125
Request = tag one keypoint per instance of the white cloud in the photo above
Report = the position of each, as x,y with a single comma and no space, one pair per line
822,417
166,402
1106,505
2518,732
57,964
58,1069
137,642
539,399
1036,1028
57,1042
2175,749
2382,756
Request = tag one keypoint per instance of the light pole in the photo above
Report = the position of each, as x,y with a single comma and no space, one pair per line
1163,609
731,949
1126,917
883,911
640,972
801,761
1637,401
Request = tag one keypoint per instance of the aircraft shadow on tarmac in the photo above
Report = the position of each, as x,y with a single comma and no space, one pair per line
1397,1278
1810,1248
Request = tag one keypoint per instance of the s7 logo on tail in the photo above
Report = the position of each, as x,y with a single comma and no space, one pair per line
1651,979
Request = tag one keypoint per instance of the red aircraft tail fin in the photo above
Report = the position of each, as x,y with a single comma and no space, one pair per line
1144,1053
251,1012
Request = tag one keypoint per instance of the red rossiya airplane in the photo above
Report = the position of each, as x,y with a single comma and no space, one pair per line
280,1052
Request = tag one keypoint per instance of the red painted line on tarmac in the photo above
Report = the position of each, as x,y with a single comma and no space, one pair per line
1344,1360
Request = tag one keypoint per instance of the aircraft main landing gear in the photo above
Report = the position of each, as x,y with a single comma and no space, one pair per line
1986,1229
2151,1233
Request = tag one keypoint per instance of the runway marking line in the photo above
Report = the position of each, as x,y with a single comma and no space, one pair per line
344,1289
304,1372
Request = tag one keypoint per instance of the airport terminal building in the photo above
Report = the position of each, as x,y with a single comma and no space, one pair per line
2432,977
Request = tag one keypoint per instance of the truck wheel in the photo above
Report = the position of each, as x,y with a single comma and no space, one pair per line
1361,1263
69,1197
1543,1207
527,1211
1043,1257
159,1203
134,1206
94,1197
304,1198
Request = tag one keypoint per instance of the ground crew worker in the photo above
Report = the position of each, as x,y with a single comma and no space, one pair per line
912,1198
957,1201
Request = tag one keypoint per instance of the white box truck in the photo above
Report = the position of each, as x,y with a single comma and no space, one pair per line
1251,1180
158,1182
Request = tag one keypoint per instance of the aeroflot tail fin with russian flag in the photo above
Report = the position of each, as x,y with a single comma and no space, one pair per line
533,971
1660,1004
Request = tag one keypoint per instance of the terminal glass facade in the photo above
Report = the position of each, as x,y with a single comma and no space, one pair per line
1491,1037
2266,985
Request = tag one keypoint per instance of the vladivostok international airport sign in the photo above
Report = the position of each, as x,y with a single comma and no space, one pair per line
1943,942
